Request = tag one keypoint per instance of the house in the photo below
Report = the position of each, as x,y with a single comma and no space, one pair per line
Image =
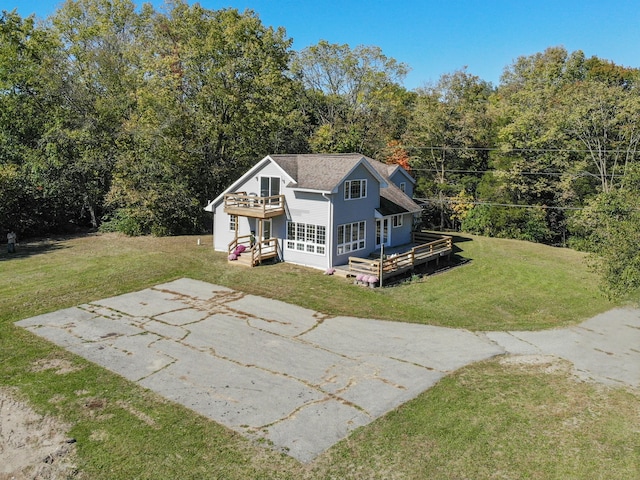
315,210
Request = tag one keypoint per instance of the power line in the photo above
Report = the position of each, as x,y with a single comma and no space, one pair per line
551,174
492,204
450,200
512,150
523,173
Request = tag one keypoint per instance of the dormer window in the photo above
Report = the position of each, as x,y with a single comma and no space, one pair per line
355,189
403,186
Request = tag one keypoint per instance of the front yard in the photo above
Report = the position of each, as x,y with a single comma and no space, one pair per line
496,419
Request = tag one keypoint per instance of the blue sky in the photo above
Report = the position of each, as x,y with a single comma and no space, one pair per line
435,37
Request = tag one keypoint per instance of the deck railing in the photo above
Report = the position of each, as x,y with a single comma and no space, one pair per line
364,265
258,252
436,247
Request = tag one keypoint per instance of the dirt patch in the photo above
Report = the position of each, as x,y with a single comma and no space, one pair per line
58,365
33,446
542,363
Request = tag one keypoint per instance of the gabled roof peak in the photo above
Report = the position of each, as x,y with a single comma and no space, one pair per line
323,171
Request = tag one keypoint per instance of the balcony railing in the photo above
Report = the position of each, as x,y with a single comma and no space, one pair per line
241,204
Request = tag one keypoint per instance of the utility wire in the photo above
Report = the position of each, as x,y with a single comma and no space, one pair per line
550,174
512,150
450,200
491,204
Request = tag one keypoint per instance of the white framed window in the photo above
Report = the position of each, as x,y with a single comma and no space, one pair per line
403,186
354,189
233,223
396,221
305,237
351,237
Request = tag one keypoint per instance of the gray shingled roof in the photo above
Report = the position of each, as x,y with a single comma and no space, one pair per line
318,171
392,199
324,172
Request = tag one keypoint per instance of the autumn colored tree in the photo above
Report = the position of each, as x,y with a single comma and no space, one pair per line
396,154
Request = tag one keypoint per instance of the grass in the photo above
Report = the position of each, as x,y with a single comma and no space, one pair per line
495,421
491,420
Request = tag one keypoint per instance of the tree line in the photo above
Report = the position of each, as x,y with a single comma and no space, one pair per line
128,119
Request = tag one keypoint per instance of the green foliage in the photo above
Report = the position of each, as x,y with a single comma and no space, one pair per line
124,221
137,117
448,136
194,96
609,227
496,221
12,196
353,98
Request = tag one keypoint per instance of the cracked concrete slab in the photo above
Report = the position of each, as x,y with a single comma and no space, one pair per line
285,374
605,348
264,368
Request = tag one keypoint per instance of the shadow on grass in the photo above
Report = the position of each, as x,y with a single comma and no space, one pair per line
457,240
35,247
428,269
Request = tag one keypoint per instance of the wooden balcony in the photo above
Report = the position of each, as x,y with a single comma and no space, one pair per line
244,205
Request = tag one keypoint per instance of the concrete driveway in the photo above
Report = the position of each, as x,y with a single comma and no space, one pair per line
292,376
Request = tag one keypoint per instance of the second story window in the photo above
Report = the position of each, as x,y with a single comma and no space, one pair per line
355,189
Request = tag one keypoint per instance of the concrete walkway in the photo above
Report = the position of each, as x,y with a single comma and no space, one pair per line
291,376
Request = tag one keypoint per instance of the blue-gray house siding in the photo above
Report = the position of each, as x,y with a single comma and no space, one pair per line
322,226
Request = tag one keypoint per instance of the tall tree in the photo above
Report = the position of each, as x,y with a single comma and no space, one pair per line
532,144
28,58
353,96
563,122
603,120
216,96
610,227
100,41
449,136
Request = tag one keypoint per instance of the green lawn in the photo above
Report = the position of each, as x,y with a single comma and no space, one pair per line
491,420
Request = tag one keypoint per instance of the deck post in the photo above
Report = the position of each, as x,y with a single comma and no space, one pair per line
381,266
236,231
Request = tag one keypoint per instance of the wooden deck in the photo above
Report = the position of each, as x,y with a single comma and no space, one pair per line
426,247
243,205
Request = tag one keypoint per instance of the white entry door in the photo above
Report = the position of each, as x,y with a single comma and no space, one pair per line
266,235
266,229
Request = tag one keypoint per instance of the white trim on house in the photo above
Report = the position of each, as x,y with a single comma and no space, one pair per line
362,162
306,237
309,190
359,229
404,173
361,189
251,172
